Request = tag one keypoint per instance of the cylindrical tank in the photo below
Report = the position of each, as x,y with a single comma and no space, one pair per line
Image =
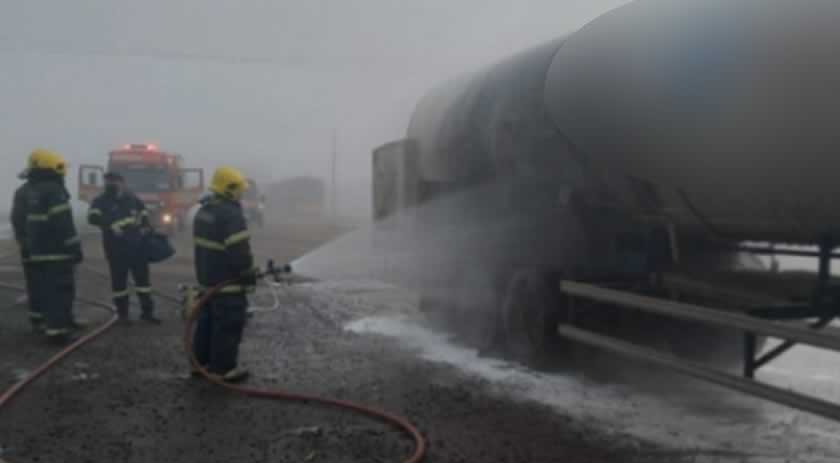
726,108
462,131
718,115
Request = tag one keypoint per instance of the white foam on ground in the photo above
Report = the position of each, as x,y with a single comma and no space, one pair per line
770,433
351,286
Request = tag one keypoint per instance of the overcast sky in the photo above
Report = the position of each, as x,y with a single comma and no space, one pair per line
257,84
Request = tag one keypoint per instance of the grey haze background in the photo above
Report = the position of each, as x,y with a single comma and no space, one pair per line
257,84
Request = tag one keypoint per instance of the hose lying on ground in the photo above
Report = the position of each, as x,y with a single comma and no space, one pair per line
399,422
10,393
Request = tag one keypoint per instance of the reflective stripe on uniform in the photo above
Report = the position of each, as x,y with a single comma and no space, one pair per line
208,244
234,289
94,212
72,241
237,238
251,271
36,316
50,258
37,217
59,209
57,332
143,289
121,294
219,246
124,222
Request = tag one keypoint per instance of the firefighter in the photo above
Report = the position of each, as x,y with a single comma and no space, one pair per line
51,243
223,255
18,219
124,221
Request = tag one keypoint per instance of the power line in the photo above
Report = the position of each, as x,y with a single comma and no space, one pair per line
165,55
310,60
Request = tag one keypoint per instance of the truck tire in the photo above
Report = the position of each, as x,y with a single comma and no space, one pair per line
477,317
531,312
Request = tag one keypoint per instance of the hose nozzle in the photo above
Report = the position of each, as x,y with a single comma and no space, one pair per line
277,273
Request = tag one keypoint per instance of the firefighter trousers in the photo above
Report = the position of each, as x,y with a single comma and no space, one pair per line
55,286
219,332
138,267
36,311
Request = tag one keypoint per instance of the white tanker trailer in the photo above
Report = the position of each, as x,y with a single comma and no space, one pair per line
624,166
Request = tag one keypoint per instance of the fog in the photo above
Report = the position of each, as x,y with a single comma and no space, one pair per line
258,84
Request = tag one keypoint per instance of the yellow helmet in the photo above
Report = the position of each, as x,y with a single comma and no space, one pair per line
47,160
228,182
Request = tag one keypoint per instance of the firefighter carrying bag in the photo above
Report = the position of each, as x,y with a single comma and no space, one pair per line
157,248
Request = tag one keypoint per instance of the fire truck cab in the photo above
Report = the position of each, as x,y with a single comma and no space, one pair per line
158,178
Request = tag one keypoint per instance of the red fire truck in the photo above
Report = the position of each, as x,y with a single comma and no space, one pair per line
167,188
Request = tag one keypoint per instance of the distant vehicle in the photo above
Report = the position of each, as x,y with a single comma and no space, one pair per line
157,177
296,198
253,204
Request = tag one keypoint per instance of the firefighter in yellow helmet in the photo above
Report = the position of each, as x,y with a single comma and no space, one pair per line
18,221
223,254
51,242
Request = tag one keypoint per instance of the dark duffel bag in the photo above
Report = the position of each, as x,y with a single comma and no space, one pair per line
157,248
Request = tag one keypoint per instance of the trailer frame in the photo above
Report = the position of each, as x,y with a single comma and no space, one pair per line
760,321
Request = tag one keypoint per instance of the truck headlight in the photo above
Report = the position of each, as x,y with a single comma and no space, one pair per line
166,218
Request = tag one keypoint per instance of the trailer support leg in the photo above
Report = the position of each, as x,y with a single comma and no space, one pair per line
751,363
749,355
826,248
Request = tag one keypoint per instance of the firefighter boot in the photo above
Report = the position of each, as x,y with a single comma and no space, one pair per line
38,327
148,308
122,310
234,376
60,337
150,318
37,322
79,324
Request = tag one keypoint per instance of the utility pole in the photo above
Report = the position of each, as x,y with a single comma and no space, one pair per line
334,188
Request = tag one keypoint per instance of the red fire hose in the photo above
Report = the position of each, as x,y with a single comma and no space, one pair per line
10,393
398,422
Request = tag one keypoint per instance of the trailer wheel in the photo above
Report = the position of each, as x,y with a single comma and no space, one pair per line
476,311
531,313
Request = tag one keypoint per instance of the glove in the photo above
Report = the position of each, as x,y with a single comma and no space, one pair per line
249,277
